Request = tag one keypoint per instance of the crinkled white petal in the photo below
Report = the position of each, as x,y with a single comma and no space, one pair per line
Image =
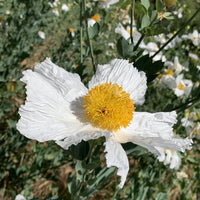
121,72
116,156
68,84
153,130
87,133
46,114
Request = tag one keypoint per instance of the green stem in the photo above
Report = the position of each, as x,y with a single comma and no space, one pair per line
191,18
132,18
81,32
89,41
139,41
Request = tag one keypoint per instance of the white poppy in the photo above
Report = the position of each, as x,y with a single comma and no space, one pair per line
125,33
183,86
59,107
106,3
195,37
169,157
20,197
41,34
65,7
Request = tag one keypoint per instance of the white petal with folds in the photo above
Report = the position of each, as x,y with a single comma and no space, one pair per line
154,130
123,73
87,133
46,114
116,156
67,83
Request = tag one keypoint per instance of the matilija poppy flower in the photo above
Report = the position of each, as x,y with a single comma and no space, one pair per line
59,107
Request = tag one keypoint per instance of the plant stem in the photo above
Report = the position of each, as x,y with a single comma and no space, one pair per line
81,32
191,18
89,41
139,41
132,18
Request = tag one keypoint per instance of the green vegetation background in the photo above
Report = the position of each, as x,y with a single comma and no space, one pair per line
44,170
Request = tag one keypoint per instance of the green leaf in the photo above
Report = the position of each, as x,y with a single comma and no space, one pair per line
146,4
153,15
168,16
93,30
159,5
146,64
80,170
145,22
124,48
80,151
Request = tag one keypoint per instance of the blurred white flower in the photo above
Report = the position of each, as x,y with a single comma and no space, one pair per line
181,175
195,37
65,7
168,80
41,34
93,20
188,125
151,48
122,31
71,30
179,12
106,3
169,157
125,33
60,108
20,197
56,11
175,66
183,86
193,57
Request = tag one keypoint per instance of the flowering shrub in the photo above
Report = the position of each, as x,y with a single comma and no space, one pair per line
122,111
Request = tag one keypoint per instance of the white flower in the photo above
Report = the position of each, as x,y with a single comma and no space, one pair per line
193,56
20,197
56,11
151,48
183,86
122,31
179,12
65,7
181,175
126,33
188,124
60,108
195,37
168,80
41,34
169,157
106,3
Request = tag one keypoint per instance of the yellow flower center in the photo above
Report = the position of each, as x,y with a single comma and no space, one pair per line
96,17
169,72
160,76
71,30
109,107
129,31
181,86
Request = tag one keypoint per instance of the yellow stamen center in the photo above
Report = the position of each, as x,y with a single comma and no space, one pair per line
109,107
160,75
71,30
169,72
129,31
96,17
181,86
